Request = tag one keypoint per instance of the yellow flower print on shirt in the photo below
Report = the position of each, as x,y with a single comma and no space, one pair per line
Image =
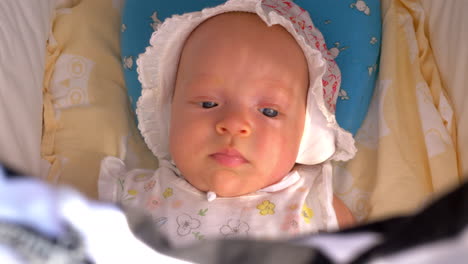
266,208
132,192
307,213
167,193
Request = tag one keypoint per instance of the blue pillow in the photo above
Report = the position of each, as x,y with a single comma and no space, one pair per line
352,30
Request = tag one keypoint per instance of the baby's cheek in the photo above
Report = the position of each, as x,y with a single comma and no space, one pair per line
279,155
286,161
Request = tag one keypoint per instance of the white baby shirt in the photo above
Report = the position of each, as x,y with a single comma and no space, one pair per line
185,215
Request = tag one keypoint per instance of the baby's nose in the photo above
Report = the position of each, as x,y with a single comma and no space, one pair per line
234,125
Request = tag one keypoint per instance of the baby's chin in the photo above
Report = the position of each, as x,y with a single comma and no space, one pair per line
227,183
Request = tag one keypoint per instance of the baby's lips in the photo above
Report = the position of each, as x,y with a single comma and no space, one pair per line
229,157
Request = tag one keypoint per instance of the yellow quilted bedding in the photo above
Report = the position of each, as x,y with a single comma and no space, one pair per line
86,111
406,146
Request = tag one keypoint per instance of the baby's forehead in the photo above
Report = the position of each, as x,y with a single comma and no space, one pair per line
232,24
266,56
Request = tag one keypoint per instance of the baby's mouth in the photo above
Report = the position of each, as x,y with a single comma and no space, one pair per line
229,157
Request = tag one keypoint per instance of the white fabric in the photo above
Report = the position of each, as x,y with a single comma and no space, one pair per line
448,34
341,248
8,256
104,228
185,215
24,28
287,181
20,206
322,139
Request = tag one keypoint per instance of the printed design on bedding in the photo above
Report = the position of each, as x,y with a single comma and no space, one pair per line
360,5
234,228
435,133
371,69
335,51
155,21
373,40
374,125
186,223
69,84
356,200
359,204
406,21
127,62
343,180
343,95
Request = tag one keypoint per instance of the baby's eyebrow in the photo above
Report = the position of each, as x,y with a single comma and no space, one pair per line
276,86
201,80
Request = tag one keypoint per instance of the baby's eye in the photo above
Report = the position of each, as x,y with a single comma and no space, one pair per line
268,112
208,104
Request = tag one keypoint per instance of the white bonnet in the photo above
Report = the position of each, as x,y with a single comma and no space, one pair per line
322,140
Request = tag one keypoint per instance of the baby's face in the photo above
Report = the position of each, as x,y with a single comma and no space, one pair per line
239,105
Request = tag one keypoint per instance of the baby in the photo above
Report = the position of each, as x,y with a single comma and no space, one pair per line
238,105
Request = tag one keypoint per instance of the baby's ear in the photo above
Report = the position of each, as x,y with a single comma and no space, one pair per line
343,214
